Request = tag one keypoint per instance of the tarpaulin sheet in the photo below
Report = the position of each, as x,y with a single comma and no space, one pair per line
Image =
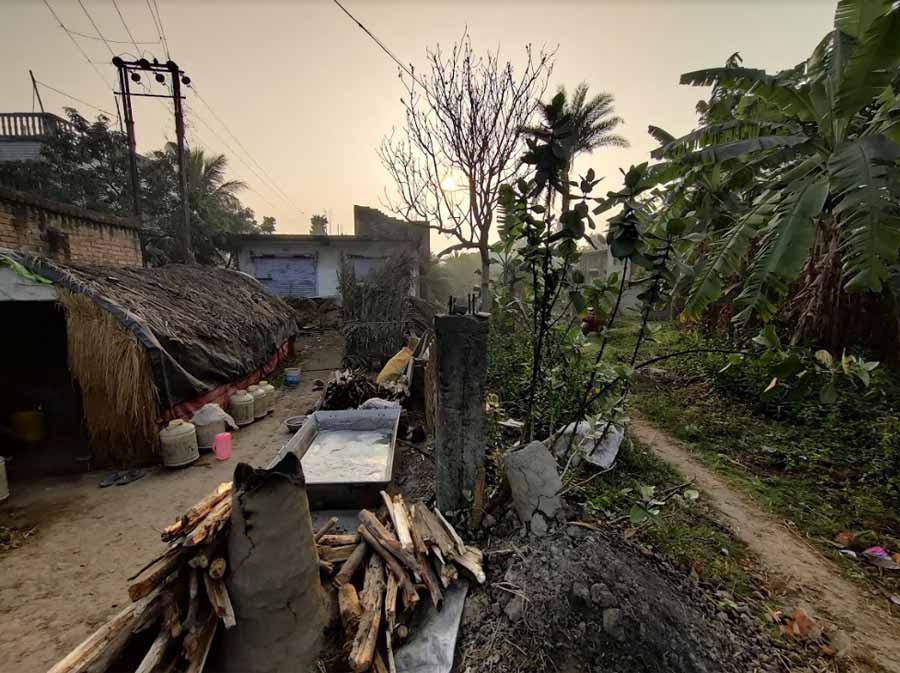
204,328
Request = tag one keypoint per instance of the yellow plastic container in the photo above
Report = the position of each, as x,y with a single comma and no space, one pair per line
28,426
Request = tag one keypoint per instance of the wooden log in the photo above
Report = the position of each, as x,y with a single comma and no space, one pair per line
196,513
327,526
433,532
457,540
471,562
446,572
216,520
336,554
378,665
390,603
362,651
410,596
219,600
217,568
202,642
193,600
338,540
389,506
402,524
432,582
199,560
101,649
350,609
156,653
418,543
154,575
348,570
326,567
387,540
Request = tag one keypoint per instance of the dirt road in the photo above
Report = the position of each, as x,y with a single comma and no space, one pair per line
71,576
835,600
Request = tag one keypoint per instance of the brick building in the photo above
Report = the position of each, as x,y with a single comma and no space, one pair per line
37,226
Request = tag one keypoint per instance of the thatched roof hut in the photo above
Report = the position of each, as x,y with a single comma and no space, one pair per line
148,345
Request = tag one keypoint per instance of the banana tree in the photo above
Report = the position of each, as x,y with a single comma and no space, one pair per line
822,140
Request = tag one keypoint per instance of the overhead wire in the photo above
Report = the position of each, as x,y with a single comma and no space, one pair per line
77,46
99,39
162,30
96,28
381,44
75,98
272,182
127,29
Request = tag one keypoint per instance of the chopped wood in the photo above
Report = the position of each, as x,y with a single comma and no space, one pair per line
336,554
199,560
193,600
170,619
389,506
350,609
387,540
433,532
447,572
217,568
471,562
418,542
338,540
156,653
457,540
402,523
105,645
410,595
152,576
432,582
219,600
401,632
327,526
390,602
379,666
326,567
363,649
203,638
478,497
217,518
195,514
348,570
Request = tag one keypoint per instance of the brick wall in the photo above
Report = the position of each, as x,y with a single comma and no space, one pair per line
34,225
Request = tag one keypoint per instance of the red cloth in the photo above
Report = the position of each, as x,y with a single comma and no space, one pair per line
222,394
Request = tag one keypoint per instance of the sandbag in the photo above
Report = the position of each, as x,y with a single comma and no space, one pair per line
274,582
395,367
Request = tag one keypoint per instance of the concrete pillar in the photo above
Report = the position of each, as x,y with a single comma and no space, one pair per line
460,363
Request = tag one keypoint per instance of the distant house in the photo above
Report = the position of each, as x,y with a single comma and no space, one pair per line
23,134
301,265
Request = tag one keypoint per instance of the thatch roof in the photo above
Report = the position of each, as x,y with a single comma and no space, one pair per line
202,327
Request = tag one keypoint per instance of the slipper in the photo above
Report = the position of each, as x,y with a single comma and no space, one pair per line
128,476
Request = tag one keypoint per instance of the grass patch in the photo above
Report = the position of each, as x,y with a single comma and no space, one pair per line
684,531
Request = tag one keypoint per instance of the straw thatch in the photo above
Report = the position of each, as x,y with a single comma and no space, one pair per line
374,309
113,371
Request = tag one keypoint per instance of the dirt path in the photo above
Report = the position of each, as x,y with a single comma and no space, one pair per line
71,576
832,598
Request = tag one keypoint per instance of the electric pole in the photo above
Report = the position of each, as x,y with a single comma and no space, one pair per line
36,92
132,70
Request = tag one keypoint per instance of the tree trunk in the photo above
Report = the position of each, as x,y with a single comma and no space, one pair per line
487,299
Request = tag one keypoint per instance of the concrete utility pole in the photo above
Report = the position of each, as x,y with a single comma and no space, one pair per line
36,92
132,70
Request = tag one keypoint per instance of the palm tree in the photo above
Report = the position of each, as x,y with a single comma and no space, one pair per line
822,139
589,123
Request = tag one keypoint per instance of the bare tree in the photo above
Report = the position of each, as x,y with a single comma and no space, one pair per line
461,139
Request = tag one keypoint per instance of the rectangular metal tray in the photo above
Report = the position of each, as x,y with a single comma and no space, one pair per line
329,485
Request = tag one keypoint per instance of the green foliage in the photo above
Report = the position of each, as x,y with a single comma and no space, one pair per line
810,151
88,167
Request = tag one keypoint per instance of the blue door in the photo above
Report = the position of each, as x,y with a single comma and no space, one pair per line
287,276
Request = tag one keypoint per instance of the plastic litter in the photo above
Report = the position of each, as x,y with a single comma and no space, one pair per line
430,648
599,451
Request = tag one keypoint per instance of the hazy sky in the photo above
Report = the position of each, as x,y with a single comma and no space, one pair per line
309,95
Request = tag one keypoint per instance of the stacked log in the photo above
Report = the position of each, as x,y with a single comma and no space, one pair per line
379,570
411,549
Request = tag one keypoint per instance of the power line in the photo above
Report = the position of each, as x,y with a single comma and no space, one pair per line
380,44
100,39
272,182
77,46
68,95
162,31
127,29
93,23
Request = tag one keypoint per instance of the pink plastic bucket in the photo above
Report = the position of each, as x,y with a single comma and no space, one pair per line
222,446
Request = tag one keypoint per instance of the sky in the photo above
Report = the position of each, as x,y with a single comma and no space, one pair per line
299,98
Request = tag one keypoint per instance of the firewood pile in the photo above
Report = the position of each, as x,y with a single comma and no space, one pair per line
413,549
181,593
378,571
349,388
